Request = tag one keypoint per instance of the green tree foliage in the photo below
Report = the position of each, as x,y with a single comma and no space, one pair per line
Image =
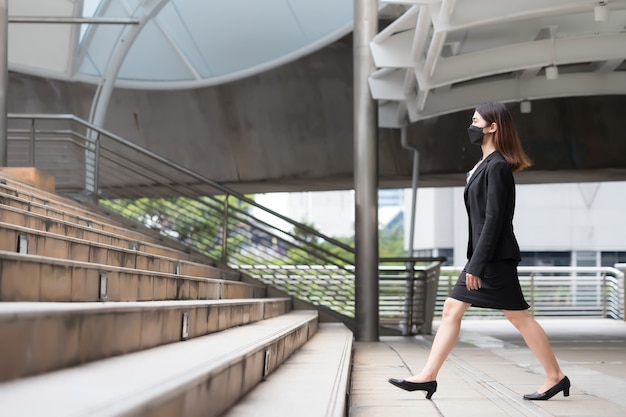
391,242
196,222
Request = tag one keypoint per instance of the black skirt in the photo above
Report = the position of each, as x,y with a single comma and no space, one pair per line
500,288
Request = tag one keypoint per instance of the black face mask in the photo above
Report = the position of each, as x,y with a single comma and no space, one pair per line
475,134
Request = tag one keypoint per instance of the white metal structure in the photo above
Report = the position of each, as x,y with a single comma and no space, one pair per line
442,56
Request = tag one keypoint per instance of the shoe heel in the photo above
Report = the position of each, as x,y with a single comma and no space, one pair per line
566,392
429,394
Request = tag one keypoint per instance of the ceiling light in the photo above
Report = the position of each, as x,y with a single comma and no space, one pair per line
552,72
601,12
525,106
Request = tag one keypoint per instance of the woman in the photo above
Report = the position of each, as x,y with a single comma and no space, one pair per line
489,279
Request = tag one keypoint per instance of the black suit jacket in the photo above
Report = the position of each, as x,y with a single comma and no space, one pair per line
490,202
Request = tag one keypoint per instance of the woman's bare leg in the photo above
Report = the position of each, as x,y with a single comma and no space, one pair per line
537,341
444,341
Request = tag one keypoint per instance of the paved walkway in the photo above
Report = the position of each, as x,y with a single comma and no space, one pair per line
491,368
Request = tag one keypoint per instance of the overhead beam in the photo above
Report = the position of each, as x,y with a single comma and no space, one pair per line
529,57
393,51
567,85
403,23
522,56
611,65
388,84
392,115
529,73
478,13
422,30
446,11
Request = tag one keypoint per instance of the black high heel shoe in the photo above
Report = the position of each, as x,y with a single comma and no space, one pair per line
430,387
562,385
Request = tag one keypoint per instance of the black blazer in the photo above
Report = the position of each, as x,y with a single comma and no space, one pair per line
490,202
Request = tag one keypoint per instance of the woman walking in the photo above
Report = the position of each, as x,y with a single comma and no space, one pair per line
489,279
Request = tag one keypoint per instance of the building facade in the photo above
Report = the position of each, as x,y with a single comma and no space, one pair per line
577,224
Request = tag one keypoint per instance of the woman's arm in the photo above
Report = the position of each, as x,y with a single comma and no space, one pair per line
499,184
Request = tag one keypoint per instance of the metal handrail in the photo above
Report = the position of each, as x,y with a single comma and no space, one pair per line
603,297
151,169
406,296
107,169
224,189
425,277
622,268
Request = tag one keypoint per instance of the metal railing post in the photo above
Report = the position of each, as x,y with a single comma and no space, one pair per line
408,302
96,170
622,268
604,295
31,144
532,293
225,230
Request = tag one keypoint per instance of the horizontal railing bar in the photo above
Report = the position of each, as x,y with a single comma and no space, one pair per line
553,269
198,177
429,259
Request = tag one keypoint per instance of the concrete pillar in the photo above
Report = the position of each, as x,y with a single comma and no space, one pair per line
365,174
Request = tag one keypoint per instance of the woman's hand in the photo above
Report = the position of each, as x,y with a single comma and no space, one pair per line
472,282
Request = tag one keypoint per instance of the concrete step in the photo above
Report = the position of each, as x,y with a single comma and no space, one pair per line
51,336
22,194
18,217
314,381
93,217
36,242
39,278
48,207
75,215
204,376
89,213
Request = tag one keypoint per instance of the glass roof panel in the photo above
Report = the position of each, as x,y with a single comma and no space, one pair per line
238,37
172,23
90,7
322,17
146,62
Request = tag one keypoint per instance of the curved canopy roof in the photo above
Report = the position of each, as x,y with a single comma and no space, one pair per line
177,43
443,56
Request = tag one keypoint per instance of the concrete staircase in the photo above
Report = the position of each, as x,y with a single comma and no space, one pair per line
101,318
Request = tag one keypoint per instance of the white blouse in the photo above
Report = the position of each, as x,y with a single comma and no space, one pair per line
471,172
